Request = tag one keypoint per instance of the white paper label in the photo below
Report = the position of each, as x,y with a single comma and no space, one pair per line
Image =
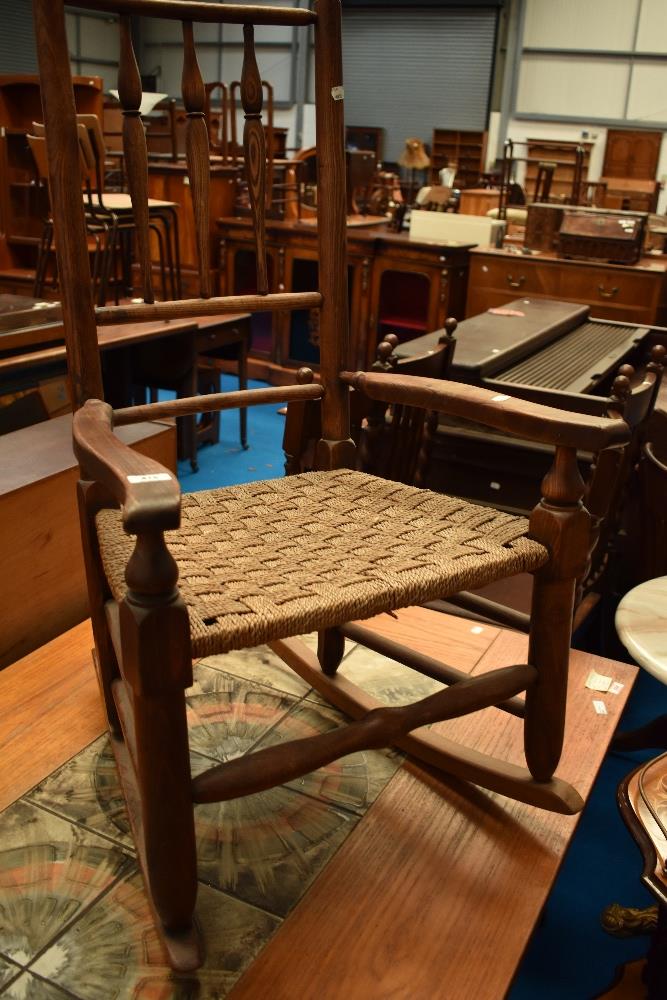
597,682
154,477
338,93
600,707
616,687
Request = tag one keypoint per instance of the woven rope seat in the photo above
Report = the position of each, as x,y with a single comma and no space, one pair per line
273,559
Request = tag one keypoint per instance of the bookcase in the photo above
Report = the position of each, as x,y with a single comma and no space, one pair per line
461,148
23,203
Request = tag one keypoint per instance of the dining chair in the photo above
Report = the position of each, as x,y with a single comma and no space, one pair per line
174,577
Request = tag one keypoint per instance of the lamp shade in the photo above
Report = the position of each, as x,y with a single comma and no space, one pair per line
414,155
148,101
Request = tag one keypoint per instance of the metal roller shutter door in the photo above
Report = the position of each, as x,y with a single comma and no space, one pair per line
413,70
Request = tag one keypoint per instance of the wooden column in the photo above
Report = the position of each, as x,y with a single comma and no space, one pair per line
335,449
67,204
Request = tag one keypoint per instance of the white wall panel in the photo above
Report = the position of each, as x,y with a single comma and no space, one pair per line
558,85
580,24
99,38
648,92
652,34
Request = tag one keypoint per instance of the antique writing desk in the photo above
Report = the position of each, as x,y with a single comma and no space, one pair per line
632,293
434,893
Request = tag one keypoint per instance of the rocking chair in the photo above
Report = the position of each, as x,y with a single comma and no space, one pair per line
174,577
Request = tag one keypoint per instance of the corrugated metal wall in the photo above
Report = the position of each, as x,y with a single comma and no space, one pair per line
17,45
414,70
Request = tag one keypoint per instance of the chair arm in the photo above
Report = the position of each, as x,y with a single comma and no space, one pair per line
148,493
519,417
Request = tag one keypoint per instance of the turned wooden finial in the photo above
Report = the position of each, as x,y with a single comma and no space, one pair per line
134,148
657,358
450,329
621,389
383,354
304,376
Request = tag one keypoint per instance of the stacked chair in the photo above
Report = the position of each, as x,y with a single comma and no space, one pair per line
172,577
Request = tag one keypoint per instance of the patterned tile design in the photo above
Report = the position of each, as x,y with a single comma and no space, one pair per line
50,871
74,918
114,950
7,971
29,987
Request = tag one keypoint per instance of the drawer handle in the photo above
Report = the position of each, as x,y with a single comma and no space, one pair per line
515,282
607,294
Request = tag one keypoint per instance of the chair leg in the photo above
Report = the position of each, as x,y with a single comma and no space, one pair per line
243,384
157,668
549,653
173,212
563,525
330,650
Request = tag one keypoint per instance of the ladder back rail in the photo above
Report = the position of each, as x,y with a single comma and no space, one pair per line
197,154
188,10
134,147
216,401
140,312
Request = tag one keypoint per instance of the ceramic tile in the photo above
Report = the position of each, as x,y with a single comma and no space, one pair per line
386,680
227,715
29,987
114,950
352,782
261,666
87,791
8,971
267,848
50,870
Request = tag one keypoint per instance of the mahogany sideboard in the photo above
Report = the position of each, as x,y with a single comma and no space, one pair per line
634,293
396,285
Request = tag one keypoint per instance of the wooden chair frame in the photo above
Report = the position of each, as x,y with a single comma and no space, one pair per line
143,646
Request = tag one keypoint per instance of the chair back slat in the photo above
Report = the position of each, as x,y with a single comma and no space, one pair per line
134,146
197,153
254,148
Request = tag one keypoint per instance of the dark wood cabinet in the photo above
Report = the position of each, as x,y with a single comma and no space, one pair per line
632,153
395,285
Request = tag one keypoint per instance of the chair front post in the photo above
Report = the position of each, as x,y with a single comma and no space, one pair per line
157,668
562,524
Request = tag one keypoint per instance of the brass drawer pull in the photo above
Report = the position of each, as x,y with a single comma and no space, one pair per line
515,282
607,294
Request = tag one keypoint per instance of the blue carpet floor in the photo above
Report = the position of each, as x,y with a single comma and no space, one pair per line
226,463
570,957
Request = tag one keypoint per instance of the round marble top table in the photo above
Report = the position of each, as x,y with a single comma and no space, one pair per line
641,623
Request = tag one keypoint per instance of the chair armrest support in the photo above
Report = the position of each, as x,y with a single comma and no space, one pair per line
148,493
531,421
